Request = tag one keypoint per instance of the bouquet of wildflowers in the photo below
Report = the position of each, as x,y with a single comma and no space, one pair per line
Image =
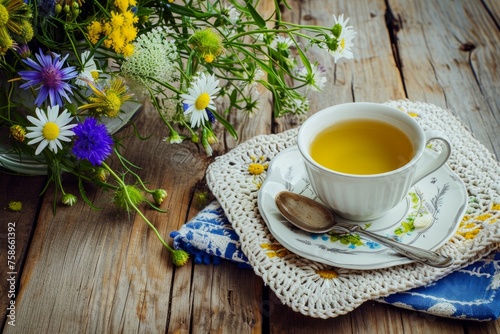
69,68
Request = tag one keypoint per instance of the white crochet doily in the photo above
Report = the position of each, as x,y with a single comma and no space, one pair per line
319,290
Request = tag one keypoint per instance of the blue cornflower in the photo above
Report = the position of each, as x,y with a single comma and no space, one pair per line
50,76
93,141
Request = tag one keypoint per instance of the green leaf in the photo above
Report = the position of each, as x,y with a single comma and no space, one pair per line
233,97
256,16
226,124
187,11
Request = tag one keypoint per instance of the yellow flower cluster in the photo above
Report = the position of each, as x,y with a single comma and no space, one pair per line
119,29
15,24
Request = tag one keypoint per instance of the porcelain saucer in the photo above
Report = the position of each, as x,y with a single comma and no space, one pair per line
427,218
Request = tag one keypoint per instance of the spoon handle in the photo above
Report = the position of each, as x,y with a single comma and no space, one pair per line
421,255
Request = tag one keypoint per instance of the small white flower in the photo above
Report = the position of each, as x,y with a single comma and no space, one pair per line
174,138
344,41
50,129
281,43
200,97
233,15
315,79
88,71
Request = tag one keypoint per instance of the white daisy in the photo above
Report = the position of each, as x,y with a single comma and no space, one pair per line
345,39
50,129
89,71
200,97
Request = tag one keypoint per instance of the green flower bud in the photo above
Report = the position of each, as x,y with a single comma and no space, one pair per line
336,30
180,257
69,199
332,44
58,8
18,132
101,174
195,138
208,43
159,196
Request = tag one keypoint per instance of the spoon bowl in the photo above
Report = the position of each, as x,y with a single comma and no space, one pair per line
312,216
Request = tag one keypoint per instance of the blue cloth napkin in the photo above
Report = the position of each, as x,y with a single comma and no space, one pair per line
470,293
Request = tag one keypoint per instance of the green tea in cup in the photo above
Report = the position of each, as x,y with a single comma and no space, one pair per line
362,146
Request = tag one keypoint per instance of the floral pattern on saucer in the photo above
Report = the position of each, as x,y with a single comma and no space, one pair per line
428,216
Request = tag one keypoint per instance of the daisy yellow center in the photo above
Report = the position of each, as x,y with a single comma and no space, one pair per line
202,101
94,74
50,131
342,44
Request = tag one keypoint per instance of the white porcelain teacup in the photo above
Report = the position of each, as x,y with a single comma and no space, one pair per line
362,197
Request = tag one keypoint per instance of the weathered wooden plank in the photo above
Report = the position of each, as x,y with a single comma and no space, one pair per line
223,298
16,229
99,271
449,53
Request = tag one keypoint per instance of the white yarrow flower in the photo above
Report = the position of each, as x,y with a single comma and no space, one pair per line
200,97
50,129
155,57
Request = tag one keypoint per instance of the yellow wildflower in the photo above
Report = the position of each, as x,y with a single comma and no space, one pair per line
94,31
117,20
122,4
109,100
130,18
129,33
128,50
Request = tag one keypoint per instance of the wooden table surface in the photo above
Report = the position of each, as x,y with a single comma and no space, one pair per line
101,271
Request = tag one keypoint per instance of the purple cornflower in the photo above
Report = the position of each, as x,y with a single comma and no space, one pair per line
50,76
93,141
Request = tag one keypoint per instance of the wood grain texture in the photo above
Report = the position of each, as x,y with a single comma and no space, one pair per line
104,271
26,190
450,57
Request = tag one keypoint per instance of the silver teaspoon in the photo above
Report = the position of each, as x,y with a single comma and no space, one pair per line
311,216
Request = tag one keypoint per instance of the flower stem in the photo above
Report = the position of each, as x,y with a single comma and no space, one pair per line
136,209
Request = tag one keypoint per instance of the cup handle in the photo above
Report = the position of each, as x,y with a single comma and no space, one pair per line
428,167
